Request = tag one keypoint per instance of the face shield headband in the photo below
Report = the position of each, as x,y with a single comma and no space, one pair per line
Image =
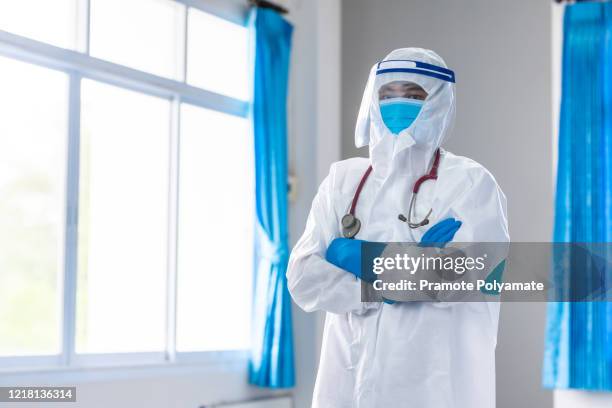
415,67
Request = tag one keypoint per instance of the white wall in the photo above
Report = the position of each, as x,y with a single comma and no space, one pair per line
582,399
501,53
315,144
134,388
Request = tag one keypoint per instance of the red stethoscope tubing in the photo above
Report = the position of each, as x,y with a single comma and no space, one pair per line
431,175
364,178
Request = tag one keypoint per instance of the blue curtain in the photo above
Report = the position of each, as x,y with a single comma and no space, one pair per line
271,361
579,334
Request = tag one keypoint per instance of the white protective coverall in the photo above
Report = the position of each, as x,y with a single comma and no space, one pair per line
412,354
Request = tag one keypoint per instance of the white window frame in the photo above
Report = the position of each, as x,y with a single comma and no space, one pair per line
78,65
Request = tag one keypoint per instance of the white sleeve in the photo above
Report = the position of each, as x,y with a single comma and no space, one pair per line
314,283
482,212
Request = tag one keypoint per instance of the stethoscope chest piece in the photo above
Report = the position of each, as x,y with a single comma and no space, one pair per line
350,226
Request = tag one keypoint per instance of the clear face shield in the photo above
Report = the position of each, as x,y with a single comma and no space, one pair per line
401,101
404,95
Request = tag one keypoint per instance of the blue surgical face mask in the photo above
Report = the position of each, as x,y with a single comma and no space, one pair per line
399,113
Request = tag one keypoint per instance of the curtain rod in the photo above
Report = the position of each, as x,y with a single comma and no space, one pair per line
269,5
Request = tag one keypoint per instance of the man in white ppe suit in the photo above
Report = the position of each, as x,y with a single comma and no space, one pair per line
411,354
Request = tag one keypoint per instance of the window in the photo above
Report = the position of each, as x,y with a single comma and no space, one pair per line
213,212
115,223
142,34
53,22
221,66
32,177
123,219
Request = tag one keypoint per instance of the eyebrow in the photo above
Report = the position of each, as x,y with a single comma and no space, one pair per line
412,85
411,89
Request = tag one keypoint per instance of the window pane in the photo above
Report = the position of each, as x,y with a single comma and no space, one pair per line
32,205
217,55
53,22
215,231
141,34
122,220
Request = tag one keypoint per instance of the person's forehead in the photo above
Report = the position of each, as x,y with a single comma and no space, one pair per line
401,85
426,83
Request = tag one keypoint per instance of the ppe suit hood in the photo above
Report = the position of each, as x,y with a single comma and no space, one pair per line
433,123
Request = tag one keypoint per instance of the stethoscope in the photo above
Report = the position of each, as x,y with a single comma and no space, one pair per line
351,224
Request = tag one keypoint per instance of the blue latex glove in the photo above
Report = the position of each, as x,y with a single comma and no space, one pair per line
346,254
440,234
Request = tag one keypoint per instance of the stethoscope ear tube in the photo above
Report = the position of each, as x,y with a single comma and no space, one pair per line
422,223
432,175
351,224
